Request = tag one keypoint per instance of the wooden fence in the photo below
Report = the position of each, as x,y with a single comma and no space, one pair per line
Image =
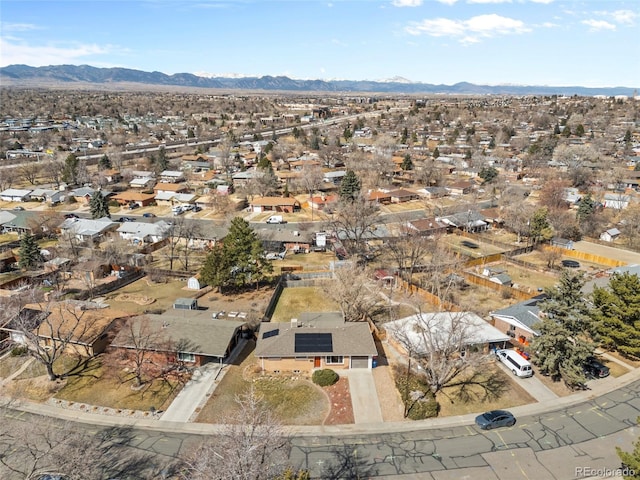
587,257
429,297
504,289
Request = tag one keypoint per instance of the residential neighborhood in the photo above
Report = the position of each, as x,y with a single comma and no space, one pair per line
384,250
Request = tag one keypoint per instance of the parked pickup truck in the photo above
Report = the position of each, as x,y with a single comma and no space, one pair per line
275,219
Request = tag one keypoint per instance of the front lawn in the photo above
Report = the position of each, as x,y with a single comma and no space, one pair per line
512,395
295,400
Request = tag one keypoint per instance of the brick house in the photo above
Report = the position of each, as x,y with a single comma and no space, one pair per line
185,336
315,340
517,320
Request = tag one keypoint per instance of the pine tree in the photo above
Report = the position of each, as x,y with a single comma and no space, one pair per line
70,171
630,460
240,261
99,206
29,252
566,331
617,311
104,163
586,208
407,164
436,153
350,186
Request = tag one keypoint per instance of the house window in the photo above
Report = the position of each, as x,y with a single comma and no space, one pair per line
186,357
335,360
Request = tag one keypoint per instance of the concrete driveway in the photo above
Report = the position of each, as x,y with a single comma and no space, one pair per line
364,397
533,385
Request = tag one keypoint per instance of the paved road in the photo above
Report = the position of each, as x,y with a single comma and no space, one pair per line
546,442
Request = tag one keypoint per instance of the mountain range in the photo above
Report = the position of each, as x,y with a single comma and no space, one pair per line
67,75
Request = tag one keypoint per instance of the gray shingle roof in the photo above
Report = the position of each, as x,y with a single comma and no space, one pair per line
526,312
348,339
199,333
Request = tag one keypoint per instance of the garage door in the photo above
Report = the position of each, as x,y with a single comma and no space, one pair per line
359,362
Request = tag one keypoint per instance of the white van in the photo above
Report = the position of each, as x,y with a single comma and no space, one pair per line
515,362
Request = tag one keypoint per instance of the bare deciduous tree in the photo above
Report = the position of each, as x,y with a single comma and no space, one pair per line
252,446
138,344
50,329
408,249
355,220
354,291
30,171
442,345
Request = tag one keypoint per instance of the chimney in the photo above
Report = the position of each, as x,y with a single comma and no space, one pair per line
294,323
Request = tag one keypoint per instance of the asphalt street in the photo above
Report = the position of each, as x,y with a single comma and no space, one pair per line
545,443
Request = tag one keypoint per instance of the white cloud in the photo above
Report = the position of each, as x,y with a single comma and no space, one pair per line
448,2
406,3
546,2
42,55
550,25
488,1
18,27
468,31
626,17
597,25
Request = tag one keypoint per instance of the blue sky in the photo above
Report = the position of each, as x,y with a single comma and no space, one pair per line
531,42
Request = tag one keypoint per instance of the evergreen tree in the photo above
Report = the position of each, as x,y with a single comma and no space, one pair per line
436,153
350,186
556,129
539,226
488,174
628,136
566,331
264,163
586,208
104,163
617,311
70,171
161,162
580,130
407,163
29,252
99,206
239,261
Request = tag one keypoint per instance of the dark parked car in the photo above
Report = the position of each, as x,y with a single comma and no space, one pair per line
495,419
71,215
148,215
126,219
133,206
595,368
468,244
570,264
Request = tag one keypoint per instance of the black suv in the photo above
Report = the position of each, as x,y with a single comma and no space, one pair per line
595,368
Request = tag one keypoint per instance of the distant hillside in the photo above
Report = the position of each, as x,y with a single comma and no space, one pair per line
23,75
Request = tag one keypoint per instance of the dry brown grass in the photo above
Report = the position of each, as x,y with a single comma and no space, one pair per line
294,399
163,293
513,396
294,301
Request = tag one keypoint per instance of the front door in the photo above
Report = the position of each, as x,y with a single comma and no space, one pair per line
316,362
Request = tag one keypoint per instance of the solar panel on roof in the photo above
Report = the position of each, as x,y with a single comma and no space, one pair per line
313,342
271,333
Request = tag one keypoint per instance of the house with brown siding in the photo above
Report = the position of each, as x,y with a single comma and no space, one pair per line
313,341
78,327
130,196
274,204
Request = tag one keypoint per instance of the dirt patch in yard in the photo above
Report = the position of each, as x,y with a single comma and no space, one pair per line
341,406
139,299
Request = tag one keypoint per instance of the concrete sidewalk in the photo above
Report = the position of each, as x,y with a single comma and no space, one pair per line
364,397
